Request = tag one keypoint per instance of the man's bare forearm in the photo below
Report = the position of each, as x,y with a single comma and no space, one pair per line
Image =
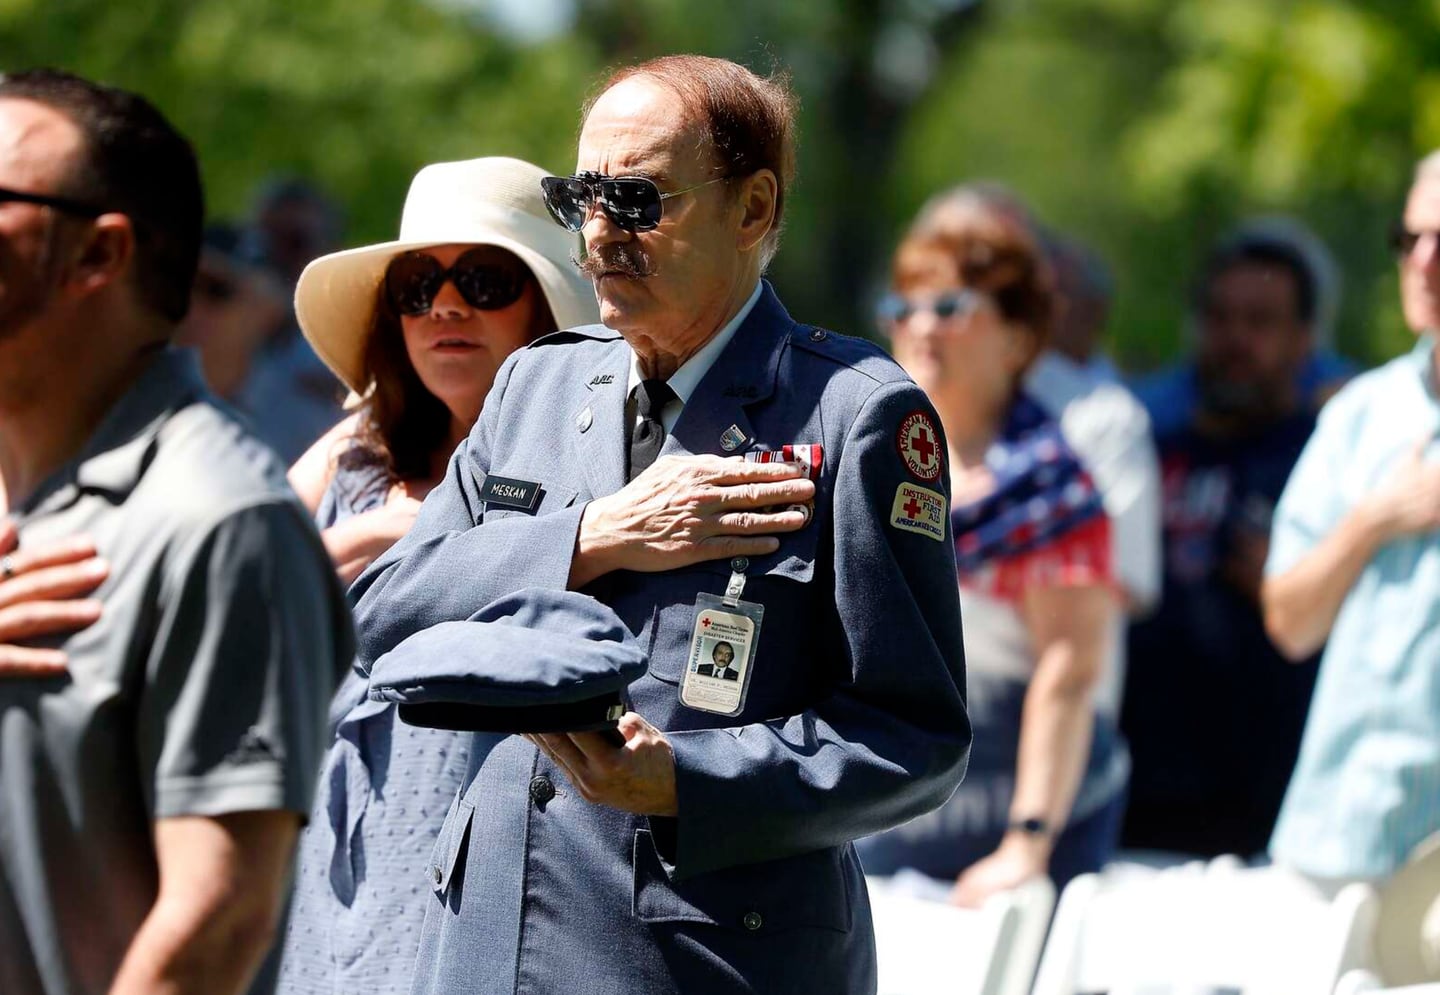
1302,603
221,882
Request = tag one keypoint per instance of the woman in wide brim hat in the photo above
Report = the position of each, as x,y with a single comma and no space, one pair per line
399,331
417,329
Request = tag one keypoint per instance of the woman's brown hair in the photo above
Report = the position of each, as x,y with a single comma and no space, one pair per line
402,425
986,249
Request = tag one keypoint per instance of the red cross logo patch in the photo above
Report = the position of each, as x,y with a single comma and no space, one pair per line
919,446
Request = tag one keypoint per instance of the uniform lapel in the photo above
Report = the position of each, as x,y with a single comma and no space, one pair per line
599,420
743,375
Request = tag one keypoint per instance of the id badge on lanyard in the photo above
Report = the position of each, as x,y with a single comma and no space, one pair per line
722,648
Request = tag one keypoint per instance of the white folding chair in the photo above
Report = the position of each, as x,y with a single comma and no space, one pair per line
1260,931
1362,982
927,947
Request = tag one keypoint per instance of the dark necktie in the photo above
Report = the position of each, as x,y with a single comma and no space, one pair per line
648,435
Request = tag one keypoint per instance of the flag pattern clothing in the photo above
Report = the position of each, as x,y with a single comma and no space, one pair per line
1043,524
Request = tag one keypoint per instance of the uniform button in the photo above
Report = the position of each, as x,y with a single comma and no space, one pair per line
818,335
740,564
542,789
435,875
752,921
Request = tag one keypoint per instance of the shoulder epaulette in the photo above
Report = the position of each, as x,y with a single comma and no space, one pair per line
858,354
581,333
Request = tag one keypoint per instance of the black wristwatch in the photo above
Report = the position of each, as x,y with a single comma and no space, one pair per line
1032,826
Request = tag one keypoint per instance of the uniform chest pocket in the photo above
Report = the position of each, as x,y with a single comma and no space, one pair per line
506,495
783,582
793,561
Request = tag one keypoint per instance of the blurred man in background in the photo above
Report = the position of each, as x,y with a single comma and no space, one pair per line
1087,290
236,307
1355,565
161,739
1172,395
290,395
1075,380
1212,712
293,223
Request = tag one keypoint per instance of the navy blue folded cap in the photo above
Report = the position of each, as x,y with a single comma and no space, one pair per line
534,661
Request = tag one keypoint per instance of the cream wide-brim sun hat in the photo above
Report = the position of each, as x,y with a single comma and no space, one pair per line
489,201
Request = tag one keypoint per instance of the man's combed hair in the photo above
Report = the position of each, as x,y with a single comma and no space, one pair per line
134,163
750,118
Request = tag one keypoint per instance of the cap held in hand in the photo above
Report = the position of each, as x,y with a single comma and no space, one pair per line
537,660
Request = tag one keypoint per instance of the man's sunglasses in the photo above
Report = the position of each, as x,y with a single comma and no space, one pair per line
488,277
1403,240
65,204
893,308
632,203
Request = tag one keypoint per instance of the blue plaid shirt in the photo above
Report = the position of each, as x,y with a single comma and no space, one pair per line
1366,788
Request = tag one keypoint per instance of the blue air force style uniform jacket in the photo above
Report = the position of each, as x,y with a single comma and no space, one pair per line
855,718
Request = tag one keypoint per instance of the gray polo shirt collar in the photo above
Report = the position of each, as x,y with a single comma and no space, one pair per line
116,455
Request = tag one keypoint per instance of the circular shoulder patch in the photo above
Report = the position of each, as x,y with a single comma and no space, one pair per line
919,445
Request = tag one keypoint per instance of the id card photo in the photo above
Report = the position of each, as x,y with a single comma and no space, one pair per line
717,672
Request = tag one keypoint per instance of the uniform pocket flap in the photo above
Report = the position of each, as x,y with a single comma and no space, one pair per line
454,837
771,896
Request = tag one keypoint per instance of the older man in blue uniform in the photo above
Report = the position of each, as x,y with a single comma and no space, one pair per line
712,471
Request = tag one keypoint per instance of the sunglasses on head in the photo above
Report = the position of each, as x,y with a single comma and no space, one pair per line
1403,240
66,204
632,203
487,277
895,308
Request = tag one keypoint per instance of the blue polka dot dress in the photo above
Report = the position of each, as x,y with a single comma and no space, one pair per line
360,886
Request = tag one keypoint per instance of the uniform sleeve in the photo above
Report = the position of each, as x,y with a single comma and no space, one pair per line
1311,506
253,636
884,746
447,567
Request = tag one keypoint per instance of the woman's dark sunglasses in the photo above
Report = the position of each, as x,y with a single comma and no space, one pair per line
894,308
632,203
488,277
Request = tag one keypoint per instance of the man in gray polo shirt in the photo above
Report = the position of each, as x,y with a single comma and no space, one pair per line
158,744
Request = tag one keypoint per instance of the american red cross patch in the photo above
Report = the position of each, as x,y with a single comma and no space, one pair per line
919,446
919,510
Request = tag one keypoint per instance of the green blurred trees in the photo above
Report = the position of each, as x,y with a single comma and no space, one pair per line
1144,126
1150,126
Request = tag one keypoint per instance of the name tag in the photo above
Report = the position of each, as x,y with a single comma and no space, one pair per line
507,492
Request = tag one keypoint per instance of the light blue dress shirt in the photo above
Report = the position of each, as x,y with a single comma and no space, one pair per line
1366,788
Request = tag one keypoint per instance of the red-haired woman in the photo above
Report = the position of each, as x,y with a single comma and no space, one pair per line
969,311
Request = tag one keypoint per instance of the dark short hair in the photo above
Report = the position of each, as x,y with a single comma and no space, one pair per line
1261,249
750,119
134,163
716,648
